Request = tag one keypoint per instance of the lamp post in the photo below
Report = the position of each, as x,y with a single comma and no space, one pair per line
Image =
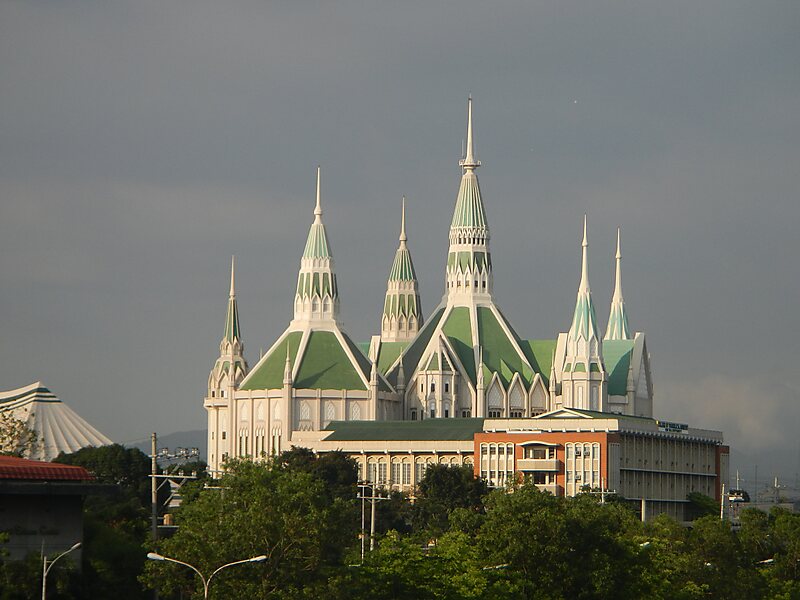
206,582
46,568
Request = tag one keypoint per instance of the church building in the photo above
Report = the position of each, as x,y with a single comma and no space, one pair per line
464,360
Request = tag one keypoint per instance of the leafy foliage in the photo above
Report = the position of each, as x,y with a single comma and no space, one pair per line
16,438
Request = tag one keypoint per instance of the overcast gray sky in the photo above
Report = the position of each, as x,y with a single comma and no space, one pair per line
143,142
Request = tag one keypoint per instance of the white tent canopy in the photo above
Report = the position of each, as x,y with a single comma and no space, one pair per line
58,427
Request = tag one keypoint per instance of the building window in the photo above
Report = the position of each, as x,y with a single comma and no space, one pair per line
407,473
433,387
413,414
446,387
396,474
433,413
422,387
420,472
382,479
495,413
372,472
517,414
224,435
466,413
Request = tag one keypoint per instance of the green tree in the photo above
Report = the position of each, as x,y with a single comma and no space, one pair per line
563,547
261,508
443,489
16,438
116,525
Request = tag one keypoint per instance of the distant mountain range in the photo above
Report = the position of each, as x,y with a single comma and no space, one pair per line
181,439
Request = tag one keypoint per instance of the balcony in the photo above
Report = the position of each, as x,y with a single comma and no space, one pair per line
538,464
552,488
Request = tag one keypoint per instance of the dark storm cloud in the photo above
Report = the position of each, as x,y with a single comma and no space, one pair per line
142,143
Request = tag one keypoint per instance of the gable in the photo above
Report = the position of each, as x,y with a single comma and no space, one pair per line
268,374
325,365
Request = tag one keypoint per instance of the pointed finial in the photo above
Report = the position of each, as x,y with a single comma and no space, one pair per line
287,369
469,161
585,238
233,276
403,236
584,285
618,272
318,207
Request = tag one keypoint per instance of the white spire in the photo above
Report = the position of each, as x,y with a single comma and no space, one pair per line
617,328
469,161
618,271
287,368
318,207
403,237
233,276
584,285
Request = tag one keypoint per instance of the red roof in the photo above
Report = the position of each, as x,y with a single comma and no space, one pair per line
12,467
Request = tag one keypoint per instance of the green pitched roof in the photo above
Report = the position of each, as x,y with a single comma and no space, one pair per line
596,414
540,354
499,354
414,351
269,374
429,429
388,354
325,365
459,331
617,357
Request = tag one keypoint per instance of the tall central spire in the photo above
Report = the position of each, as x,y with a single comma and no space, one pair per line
317,295
469,263
618,317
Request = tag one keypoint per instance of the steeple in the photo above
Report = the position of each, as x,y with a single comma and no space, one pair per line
584,379
618,318
317,296
584,321
469,264
231,367
232,318
402,312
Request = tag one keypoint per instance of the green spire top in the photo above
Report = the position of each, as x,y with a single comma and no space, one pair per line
317,243
469,210
402,315
232,317
402,267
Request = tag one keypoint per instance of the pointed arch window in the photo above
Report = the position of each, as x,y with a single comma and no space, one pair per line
330,412
305,411
355,412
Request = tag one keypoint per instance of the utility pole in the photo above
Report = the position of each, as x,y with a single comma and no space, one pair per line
722,503
153,489
373,517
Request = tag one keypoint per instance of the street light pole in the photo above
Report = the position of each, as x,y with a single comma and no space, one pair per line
46,568
206,582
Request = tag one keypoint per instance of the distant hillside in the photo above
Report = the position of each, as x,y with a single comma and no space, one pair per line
181,439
